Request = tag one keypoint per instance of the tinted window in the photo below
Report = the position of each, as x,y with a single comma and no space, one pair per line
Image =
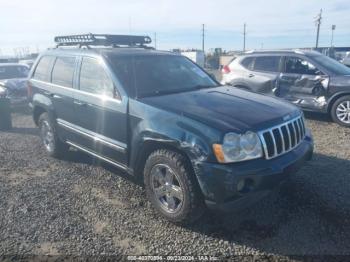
43,69
296,65
13,71
332,65
248,62
267,63
94,79
63,71
150,75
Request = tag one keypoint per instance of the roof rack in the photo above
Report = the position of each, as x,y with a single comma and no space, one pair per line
103,40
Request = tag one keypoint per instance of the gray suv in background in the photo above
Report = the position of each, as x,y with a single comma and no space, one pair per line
308,79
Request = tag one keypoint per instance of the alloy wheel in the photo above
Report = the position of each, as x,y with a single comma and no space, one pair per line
47,136
343,112
166,188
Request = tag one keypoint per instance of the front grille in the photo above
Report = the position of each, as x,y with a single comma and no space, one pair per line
281,139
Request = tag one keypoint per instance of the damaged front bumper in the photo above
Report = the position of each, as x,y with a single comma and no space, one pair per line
234,186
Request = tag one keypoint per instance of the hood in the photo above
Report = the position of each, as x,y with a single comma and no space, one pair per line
227,108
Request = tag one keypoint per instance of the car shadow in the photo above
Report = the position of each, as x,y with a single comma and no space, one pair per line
317,116
300,217
305,215
76,156
24,131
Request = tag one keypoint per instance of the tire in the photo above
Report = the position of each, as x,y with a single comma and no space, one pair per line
53,146
340,111
187,203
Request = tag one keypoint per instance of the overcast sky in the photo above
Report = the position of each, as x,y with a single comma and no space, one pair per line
270,23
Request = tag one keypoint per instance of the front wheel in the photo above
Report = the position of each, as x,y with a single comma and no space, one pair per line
340,111
52,144
171,187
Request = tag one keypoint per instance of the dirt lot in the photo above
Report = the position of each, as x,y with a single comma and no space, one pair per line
74,207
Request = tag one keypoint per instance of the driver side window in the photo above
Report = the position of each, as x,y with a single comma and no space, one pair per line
296,65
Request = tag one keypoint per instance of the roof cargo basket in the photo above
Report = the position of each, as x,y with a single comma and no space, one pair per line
103,40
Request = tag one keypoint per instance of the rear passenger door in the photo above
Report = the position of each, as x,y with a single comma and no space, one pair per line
54,78
264,75
62,79
101,111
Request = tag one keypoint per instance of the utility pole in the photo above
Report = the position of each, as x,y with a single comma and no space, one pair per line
318,20
244,35
155,40
203,36
333,28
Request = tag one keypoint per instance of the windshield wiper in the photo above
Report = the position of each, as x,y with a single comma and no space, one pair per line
167,92
204,86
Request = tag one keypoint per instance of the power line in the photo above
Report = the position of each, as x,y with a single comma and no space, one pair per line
318,20
203,36
244,35
333,28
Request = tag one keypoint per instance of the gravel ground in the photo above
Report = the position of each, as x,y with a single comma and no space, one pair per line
75,207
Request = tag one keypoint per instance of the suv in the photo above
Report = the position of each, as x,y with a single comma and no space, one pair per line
308,79
161,118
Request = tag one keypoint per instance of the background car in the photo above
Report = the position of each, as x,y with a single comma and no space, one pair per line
308,79
346,60
13,82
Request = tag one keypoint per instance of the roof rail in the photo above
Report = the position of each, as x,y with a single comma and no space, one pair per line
103,40
254,51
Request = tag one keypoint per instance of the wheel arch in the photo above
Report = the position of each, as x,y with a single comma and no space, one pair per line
151,145
37,112
334,98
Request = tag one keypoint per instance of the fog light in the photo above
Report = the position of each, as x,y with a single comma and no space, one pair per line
245,185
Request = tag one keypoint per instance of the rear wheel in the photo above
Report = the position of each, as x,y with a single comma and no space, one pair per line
340,111
172,188
52,144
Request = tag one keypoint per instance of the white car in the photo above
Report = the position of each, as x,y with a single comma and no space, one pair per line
346,60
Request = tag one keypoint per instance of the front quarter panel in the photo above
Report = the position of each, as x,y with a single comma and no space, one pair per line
148,124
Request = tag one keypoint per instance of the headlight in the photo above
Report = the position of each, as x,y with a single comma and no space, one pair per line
237,148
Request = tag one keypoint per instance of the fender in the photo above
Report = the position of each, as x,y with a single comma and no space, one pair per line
334,97
43,102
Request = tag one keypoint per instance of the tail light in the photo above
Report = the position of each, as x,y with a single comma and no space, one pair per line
226,69
29,90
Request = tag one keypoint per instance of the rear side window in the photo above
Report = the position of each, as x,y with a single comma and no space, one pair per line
43,69
94,79
267,63
248,62
63,71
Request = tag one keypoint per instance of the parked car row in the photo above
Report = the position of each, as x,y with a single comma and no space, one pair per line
308,79
162,119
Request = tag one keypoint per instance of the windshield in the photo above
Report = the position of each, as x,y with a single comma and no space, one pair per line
10,72
149,75
332,65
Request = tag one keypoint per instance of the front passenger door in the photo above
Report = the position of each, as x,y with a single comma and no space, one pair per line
301,82
102,112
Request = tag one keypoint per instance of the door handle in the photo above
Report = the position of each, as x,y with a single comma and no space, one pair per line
285,78
78,103
251,75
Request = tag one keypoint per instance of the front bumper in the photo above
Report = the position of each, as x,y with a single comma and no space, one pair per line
234,186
